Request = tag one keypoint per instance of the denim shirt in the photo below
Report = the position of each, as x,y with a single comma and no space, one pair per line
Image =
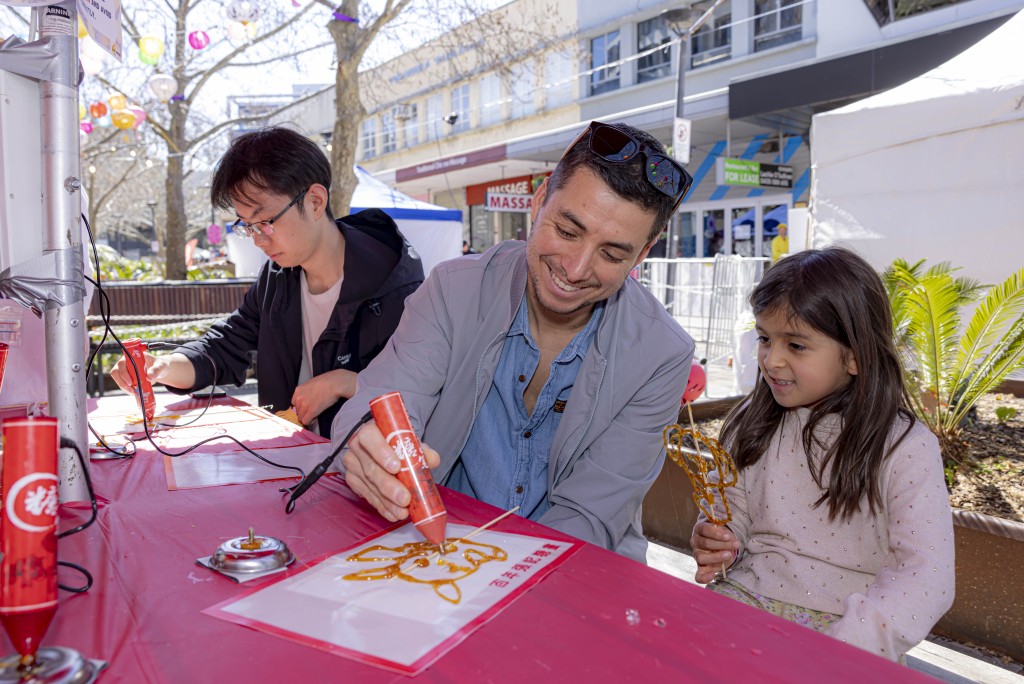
505,460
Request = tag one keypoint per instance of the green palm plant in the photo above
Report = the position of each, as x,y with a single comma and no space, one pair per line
949,367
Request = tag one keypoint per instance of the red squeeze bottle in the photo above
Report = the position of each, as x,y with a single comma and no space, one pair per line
426,508
136,348
28,523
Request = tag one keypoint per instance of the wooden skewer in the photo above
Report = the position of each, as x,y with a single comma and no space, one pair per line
484,527
475,532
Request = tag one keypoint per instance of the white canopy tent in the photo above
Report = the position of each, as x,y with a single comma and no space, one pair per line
435,232
930,169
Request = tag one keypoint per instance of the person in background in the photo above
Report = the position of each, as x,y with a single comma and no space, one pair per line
540,375
324,304
780,243
466,249
840,516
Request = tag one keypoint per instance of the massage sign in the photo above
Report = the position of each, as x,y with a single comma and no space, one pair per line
515,197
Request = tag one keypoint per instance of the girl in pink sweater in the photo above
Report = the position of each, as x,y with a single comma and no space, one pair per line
840,517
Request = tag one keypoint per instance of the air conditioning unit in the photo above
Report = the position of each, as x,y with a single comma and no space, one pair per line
404,112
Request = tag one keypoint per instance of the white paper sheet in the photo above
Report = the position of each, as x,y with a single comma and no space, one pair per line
399,623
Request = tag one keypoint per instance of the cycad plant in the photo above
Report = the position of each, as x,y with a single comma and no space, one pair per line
950,366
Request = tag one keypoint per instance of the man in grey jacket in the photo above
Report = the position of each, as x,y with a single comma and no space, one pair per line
540,374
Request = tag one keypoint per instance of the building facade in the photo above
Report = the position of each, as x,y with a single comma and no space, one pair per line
474,119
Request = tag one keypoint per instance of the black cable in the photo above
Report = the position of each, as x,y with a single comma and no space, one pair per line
66,443
105,315
321,468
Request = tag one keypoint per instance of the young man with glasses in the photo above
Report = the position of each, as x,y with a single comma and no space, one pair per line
539,373
325,303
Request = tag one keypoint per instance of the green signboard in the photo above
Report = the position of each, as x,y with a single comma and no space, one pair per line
753,174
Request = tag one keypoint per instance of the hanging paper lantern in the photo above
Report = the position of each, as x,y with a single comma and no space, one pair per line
103,121
198,40
82,31
86,126
243,10
82,111
163,86
83,138
241,31
213,233
97,110
139,114
90,65
117,101
150,49
123,119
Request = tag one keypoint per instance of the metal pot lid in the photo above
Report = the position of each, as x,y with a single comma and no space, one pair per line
253,553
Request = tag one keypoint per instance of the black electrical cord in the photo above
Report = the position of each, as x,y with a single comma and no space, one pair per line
105,315
66,443
321,468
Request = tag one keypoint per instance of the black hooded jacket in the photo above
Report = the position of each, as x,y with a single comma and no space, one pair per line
381,270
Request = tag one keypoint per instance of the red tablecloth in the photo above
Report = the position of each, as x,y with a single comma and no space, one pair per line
143,613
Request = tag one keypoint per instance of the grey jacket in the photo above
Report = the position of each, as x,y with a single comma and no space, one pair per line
607,450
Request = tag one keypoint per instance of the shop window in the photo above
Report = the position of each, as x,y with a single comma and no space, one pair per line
777,22
368,138
523,91
712,42
460,108
435,126
490,100
408,118
559,80
654,42
604,57
885,11
388,141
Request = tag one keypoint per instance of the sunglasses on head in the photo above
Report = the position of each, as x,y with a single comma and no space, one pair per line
616,145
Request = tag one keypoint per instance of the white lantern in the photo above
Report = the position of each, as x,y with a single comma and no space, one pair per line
163,86
243,10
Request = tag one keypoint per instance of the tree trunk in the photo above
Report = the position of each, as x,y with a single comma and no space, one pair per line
348,108
177,221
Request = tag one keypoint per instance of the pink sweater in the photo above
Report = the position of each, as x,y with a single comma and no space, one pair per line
890,575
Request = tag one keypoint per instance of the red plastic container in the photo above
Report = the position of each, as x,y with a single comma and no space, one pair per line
426,508
28,522
136,348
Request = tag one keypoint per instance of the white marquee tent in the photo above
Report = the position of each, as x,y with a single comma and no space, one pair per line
435,232
930,169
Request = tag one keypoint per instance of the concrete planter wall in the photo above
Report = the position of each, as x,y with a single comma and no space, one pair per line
989,605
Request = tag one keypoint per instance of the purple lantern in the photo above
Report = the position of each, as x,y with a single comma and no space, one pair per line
198,40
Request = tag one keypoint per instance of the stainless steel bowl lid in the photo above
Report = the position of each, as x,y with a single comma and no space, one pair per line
253,553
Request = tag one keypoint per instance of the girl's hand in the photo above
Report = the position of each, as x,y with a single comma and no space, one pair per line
712,546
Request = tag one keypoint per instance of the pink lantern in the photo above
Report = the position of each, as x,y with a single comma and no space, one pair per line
213,233
198,40
695,384
86,126
140,115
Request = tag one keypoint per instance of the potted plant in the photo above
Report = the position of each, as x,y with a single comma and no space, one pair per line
950,367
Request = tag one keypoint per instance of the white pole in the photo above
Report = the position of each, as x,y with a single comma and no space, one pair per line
65,325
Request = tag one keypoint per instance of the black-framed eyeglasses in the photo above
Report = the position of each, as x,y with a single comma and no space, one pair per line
616,145
264,228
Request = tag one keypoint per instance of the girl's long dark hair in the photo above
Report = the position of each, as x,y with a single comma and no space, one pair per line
838,294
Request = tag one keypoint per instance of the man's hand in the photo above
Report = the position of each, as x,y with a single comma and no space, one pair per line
174,370
370,470
314,396
712,546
